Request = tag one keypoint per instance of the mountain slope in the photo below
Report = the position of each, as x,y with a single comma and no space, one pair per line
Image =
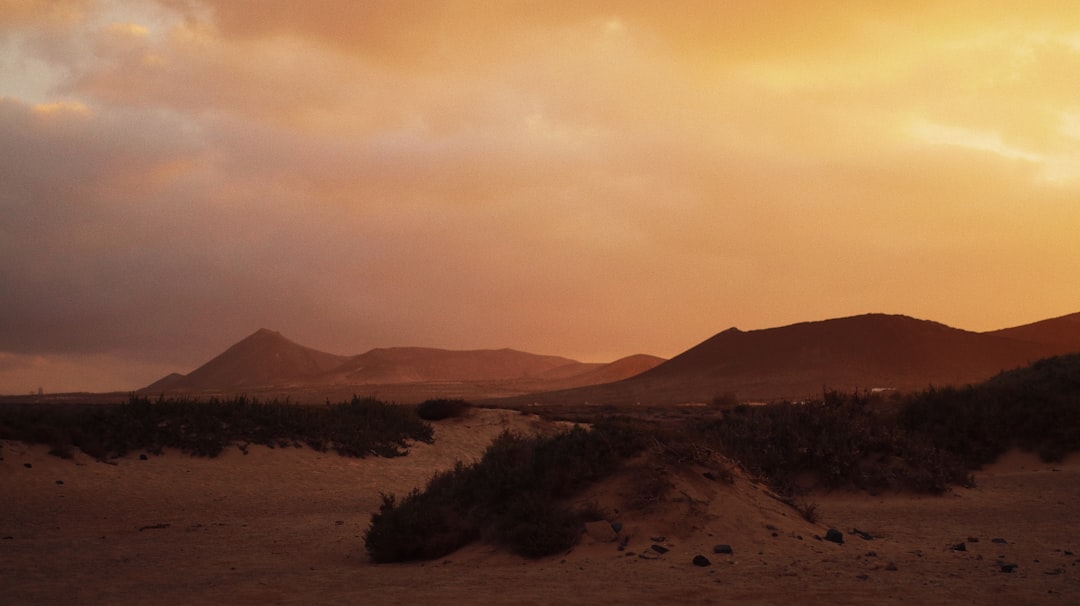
798,361
422,365
268,363
264,358
1063,331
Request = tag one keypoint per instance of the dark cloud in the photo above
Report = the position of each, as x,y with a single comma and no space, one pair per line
590,179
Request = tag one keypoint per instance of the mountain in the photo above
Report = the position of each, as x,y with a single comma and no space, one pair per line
800,360
264,358
795,362
387,366
1063,332
608,373
268,364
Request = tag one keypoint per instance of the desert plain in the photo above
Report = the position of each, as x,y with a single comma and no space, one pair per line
285,526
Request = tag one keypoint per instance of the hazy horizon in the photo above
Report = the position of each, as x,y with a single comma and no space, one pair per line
583,179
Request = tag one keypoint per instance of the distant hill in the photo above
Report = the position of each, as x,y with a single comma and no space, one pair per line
1063,332
799,361
264,358
794,362
268,364
419,365
613,371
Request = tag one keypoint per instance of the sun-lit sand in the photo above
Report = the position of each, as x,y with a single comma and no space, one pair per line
284,526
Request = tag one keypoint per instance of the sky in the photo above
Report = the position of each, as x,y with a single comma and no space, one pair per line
591,179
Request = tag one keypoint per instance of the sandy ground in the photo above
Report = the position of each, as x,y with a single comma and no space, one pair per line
285,526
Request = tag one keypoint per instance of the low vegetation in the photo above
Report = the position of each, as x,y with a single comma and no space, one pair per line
514,496
1036,408
441,408
357,428
924,442
837,441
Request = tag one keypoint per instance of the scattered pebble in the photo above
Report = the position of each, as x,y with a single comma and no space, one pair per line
835,536
866,536
700,560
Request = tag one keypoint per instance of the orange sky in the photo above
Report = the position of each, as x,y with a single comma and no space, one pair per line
589,179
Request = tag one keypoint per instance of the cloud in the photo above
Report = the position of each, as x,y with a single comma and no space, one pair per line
583,178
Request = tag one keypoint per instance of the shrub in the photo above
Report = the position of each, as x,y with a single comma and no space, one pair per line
1036,408
510,497
439,409
358,428
839,440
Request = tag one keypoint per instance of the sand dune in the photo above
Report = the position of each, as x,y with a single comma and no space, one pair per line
284,526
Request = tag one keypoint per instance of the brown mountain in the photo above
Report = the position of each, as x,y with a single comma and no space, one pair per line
267,363
1063,332
800,360
264,358
608,373
387,366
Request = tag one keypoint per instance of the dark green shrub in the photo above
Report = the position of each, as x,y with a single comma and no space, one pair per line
439,409
1036,408
360,427
510,497
839,440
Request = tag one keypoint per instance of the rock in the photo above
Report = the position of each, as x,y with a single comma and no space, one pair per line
723,548
659,549
600,531
891,566
835,536
1008,567
959,547
59,482
649,555
616,526
866,536
28,465
973,539
657,539
700,560
999,541
143,457
709,475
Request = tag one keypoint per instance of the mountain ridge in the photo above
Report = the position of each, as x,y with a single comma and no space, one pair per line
796,361
266,361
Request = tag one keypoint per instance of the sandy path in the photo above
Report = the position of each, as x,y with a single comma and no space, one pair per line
285,526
